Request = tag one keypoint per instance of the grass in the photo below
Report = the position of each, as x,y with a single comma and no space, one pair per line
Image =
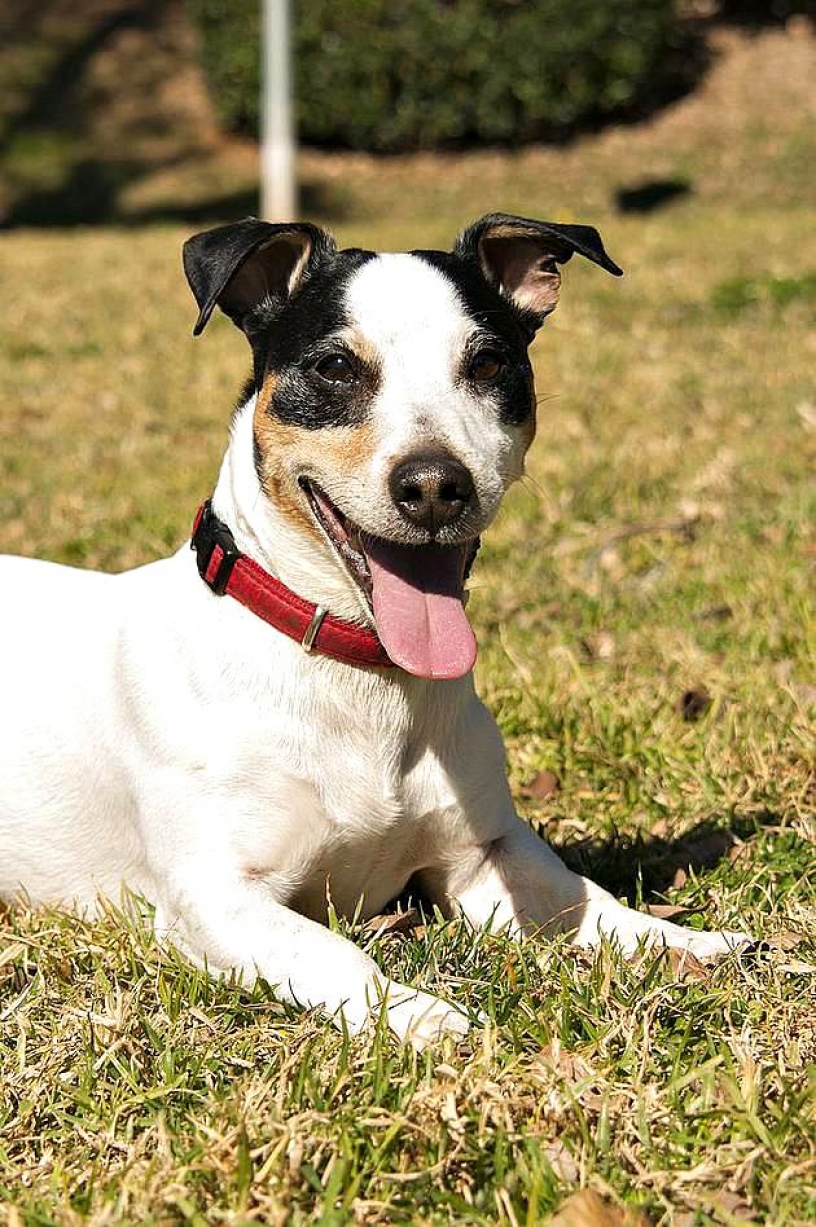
662,545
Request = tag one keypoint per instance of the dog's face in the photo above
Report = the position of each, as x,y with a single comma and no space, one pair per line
395,400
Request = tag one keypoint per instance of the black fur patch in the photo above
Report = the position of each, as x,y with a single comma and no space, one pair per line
502,326
247,389
257,458
289,339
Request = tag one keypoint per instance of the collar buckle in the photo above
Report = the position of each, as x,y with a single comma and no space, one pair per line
310,634
226,571
216,551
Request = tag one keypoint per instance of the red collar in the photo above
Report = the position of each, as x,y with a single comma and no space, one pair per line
225,569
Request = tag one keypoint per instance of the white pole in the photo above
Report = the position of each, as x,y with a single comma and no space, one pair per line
278,187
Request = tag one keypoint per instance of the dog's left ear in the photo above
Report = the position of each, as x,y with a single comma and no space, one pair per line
236,267
520,257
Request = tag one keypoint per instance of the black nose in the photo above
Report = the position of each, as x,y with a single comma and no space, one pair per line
431,491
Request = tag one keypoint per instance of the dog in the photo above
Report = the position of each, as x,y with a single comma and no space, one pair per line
285,714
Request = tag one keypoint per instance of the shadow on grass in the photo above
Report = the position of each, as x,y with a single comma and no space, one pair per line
650,865
638,870
89,195
651,194
45,104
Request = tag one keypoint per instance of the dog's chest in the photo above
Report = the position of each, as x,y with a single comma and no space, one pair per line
352,805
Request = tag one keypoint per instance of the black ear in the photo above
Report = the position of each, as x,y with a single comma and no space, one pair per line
520,256
235,267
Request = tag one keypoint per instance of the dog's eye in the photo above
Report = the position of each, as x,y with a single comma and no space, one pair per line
486,365
336,368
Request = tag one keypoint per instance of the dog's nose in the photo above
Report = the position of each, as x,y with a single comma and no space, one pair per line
431,491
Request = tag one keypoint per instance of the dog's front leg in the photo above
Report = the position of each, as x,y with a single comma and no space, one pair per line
517,881
237,927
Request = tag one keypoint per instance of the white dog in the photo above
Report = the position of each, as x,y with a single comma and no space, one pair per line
289,711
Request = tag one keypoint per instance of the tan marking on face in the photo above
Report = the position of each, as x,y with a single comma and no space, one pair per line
337,450
275,441
344,450
362,348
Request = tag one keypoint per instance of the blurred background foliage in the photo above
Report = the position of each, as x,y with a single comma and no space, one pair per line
144,110
382,75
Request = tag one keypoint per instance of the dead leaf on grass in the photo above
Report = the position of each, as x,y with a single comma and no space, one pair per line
587,1209
694,704
715,613
782,671
786,940
598,646
388,923
557,1060
687,966
669,911
541,786
443,1070
561,1160
731,1207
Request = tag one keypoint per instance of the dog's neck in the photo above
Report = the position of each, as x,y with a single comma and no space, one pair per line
272,538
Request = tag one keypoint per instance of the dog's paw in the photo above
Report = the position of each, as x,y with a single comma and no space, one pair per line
709,945
420,1019
703,944
632,931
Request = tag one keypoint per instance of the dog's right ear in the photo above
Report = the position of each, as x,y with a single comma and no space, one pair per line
520,257
238,266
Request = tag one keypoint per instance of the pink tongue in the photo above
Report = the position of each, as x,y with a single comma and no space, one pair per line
418,610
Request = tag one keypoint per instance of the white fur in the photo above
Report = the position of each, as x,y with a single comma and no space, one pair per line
412,317
161,737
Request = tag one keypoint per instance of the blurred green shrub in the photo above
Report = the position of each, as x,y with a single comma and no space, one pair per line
740,294
396,75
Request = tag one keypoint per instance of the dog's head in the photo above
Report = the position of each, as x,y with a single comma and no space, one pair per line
395,399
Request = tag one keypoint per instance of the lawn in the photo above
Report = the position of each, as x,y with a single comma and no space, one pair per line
644,606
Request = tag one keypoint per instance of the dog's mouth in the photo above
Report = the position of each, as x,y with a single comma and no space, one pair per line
415,592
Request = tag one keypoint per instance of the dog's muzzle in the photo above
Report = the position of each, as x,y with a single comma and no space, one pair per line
432,491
